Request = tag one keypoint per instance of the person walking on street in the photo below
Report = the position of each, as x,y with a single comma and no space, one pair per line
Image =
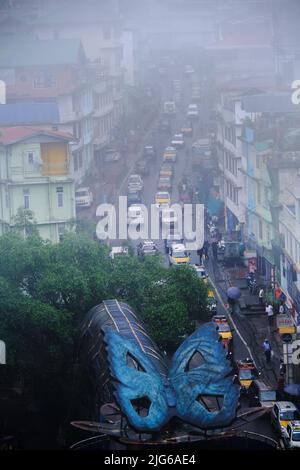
205,249
270,313
261,296
282,368
267,350
200,254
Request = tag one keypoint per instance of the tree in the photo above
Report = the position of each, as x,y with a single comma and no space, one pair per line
24,222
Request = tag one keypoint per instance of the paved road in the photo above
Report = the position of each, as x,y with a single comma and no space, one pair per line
182,166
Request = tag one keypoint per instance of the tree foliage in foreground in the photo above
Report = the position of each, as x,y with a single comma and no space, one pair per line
46,290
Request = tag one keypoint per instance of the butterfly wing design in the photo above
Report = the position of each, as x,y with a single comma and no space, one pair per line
140,391
205,393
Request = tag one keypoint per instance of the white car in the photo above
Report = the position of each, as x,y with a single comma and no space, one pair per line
200,271
283,412
83,197
292,438
135,183
118,250
192,112
135,215
177,141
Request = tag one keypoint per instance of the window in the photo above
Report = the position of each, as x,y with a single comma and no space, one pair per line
75,162
61,229
80,159
26,196
30,157
258,194
106,32
44,79
60,194
6,198
260,230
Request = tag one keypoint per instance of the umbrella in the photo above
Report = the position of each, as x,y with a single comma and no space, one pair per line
292,389
233,293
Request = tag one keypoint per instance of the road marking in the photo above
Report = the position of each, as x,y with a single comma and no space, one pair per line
233,323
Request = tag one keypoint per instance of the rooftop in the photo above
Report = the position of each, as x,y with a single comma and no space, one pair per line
12,135
28,113
22,52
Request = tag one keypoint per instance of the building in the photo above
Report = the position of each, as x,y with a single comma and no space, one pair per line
35,174
57,70
99,28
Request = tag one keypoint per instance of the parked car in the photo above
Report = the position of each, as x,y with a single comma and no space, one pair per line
178,141
169,107
162,198
135,183
142,167
178,255
117,251
192,112
133,198
164,182
149,152
83,197
170,154
283,413
112,155
135,215
146,247
261,395
292,437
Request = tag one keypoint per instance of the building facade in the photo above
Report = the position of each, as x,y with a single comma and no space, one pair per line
35,174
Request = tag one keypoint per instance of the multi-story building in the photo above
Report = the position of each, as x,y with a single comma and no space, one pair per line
99,28
35,174
56,70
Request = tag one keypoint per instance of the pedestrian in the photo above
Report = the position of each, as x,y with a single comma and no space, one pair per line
282,368
214,247
270,314
200,254
267,350
281,309
261,295
205,249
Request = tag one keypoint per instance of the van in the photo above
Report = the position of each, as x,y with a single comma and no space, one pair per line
83,197
169,107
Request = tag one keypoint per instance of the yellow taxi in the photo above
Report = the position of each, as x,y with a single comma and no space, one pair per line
166,170
224,331
178,256
162,198
170,154
246,373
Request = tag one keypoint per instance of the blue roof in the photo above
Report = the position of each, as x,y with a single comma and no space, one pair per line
28,113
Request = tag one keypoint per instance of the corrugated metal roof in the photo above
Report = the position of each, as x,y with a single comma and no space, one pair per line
11,135
23,53
28,113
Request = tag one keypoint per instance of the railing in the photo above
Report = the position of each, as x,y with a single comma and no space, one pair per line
262,438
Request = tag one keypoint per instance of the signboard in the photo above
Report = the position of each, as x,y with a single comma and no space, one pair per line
2,352
285,324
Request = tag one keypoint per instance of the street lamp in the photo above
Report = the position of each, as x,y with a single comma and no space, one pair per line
2,352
